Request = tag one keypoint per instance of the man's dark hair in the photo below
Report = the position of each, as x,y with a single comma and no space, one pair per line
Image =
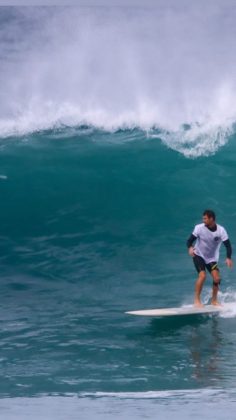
210,213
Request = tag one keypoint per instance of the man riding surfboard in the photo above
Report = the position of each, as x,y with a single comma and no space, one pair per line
209,237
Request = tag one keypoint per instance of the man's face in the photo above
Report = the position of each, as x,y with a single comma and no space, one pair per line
208,221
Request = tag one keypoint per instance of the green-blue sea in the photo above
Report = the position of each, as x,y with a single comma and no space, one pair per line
116,132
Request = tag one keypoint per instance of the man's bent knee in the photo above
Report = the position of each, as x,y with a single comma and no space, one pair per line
202,275
216,276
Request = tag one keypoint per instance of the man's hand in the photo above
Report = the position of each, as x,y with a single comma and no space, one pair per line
229,262
191,251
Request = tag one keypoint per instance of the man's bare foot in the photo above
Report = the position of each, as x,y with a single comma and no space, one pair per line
198,304
215,303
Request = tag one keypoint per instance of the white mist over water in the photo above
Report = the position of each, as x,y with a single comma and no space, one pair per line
111,67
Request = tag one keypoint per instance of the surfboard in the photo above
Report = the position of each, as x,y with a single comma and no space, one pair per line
183,310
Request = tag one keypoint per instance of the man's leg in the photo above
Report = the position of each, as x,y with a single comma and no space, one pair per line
200,266
198,288
216,282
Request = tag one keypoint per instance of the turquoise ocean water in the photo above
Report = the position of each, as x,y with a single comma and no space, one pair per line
103,174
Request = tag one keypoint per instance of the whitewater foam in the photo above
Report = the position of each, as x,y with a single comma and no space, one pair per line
182,404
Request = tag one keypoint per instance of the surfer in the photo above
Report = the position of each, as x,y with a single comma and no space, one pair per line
209,237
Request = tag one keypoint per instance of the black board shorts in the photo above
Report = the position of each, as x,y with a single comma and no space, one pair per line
201,265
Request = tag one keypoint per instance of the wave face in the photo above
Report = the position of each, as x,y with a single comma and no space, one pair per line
94,224
168,67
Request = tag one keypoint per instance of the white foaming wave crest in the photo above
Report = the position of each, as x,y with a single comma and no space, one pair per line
198,140
122,68
49,115
169,394
227,298
195,141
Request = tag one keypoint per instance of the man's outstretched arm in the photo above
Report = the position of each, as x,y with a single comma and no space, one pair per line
228,247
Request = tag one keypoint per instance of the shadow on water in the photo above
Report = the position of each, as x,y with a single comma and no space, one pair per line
201,337
170,325
207,350
183,351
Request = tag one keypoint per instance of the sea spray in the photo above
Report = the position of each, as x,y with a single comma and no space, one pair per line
113,68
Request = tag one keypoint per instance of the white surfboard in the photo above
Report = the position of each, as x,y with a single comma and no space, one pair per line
184,310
